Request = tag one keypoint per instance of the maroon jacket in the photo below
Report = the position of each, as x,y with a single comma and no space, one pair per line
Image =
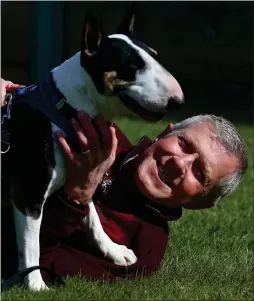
126,216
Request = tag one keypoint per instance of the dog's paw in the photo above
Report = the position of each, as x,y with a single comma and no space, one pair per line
34,282
37,285
120,254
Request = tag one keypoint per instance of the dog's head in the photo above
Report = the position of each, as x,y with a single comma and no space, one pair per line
124,67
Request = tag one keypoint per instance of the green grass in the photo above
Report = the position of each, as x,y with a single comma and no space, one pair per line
209,255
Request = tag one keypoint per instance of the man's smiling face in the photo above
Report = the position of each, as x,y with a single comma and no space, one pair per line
185,164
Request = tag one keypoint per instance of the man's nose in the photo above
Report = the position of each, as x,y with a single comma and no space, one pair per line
183,162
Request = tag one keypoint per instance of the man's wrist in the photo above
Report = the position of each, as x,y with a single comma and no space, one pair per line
75,194
64,194
68,192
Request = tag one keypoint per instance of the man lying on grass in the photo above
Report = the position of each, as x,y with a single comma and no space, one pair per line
190,165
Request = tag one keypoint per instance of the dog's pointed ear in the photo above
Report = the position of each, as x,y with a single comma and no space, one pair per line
128,25
92,36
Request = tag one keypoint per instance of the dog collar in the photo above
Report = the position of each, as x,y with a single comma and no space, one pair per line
48,86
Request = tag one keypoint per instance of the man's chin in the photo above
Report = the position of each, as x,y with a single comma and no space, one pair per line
150,186
198,205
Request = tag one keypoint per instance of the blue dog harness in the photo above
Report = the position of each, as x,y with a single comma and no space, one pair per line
44,97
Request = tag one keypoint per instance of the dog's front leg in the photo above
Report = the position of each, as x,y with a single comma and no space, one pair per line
28,241
118,254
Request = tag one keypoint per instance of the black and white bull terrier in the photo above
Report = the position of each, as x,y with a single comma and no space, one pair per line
111,75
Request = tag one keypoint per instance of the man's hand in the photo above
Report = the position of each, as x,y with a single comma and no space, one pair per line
86,169
8,86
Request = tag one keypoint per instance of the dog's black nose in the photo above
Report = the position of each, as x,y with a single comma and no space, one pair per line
174,103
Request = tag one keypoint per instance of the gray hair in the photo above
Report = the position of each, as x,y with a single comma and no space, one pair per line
233,143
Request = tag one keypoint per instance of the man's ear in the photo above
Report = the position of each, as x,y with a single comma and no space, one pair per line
167,130
128,25
92,36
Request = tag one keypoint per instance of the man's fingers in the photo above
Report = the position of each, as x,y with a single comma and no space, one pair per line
97,136
13,87
4,102
103,131
90,132
107,136
83,141
64,145
10,86
114,140
112,144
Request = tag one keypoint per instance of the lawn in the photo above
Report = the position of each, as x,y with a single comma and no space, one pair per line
209,255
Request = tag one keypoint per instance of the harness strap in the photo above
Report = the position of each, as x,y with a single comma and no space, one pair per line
58,110
46,98
57,99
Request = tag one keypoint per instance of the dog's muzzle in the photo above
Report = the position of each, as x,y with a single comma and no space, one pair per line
174,103
142,112
135,107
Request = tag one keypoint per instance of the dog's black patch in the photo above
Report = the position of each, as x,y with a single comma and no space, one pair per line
31,159
147,49
113,55
122,58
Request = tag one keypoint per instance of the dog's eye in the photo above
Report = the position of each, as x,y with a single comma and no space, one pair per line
131,67
136,62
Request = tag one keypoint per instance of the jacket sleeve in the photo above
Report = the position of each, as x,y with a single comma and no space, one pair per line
74,256
62,217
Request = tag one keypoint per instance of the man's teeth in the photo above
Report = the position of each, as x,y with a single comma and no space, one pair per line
161,174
